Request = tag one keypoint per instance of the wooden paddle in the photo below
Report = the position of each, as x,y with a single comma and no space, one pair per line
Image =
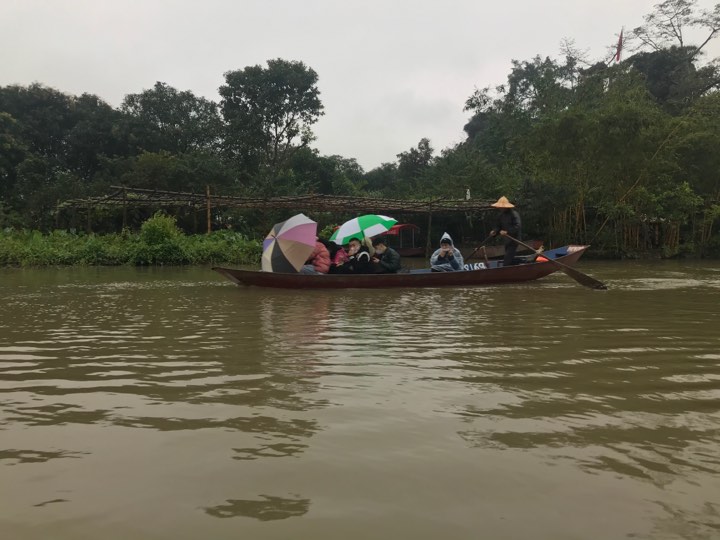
577,275
474,251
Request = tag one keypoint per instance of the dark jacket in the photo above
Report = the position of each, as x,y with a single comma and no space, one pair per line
389,261
356,264
509,220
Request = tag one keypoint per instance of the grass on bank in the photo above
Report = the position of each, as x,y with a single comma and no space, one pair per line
159,242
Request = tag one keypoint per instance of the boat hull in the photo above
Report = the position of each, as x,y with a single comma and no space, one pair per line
494,275
498,252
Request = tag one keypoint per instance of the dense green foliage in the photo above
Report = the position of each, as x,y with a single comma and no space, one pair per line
158,242
621,155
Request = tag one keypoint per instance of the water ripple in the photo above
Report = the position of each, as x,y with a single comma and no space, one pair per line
248,392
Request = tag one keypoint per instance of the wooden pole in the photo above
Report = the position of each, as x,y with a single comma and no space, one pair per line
89,219
124,222
209,213
428,244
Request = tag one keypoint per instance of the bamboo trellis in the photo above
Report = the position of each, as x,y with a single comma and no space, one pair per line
125,197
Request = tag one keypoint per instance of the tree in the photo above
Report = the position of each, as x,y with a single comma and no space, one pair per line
94,136
539,87
308,172
344,175
534,90
269,111
173,121
72,132
12,153
177,172
381,180
40,185
697,145
44,116
666,26
412,165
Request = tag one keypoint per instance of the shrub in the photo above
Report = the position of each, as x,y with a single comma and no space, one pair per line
159,242
159,229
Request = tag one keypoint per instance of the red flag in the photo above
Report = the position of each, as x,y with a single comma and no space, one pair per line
619,46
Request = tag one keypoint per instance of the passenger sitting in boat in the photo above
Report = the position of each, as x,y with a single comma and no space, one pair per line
318,262
386,259
358,259
338,256
448,258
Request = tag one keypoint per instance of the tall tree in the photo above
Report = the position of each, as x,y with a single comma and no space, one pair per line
668,23
166,119
381,180
94,136
412,166
72,132
539,87
12,152
44,115
269,111
672,77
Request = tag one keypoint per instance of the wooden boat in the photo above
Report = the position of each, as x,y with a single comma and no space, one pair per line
479,275
404,238
498,252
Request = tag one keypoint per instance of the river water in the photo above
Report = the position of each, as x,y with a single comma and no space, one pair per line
169,403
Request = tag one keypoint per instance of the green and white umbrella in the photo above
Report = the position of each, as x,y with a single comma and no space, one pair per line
361,227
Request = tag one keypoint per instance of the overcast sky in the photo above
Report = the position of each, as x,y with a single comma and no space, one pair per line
390,71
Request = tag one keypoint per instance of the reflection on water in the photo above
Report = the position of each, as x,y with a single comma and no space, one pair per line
13,456
168,398
50,502
268,509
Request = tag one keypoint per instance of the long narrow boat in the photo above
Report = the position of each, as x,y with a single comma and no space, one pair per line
479,275
498,252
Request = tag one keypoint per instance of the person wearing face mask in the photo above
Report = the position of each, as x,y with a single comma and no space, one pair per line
358,259
448,258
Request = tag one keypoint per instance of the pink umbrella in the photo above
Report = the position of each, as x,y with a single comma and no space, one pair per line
289,244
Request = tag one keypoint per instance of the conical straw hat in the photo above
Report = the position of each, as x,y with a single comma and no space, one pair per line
503,202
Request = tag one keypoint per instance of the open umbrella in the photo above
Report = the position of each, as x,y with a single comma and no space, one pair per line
289,244
362,227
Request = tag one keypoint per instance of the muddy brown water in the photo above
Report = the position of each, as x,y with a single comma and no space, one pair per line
169,403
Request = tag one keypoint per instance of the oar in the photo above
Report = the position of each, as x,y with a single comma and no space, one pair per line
577,275
474,251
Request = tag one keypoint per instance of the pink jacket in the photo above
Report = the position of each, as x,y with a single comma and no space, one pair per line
340,257
320,258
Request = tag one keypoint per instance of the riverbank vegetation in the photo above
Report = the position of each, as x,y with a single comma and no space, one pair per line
620,154
159,242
